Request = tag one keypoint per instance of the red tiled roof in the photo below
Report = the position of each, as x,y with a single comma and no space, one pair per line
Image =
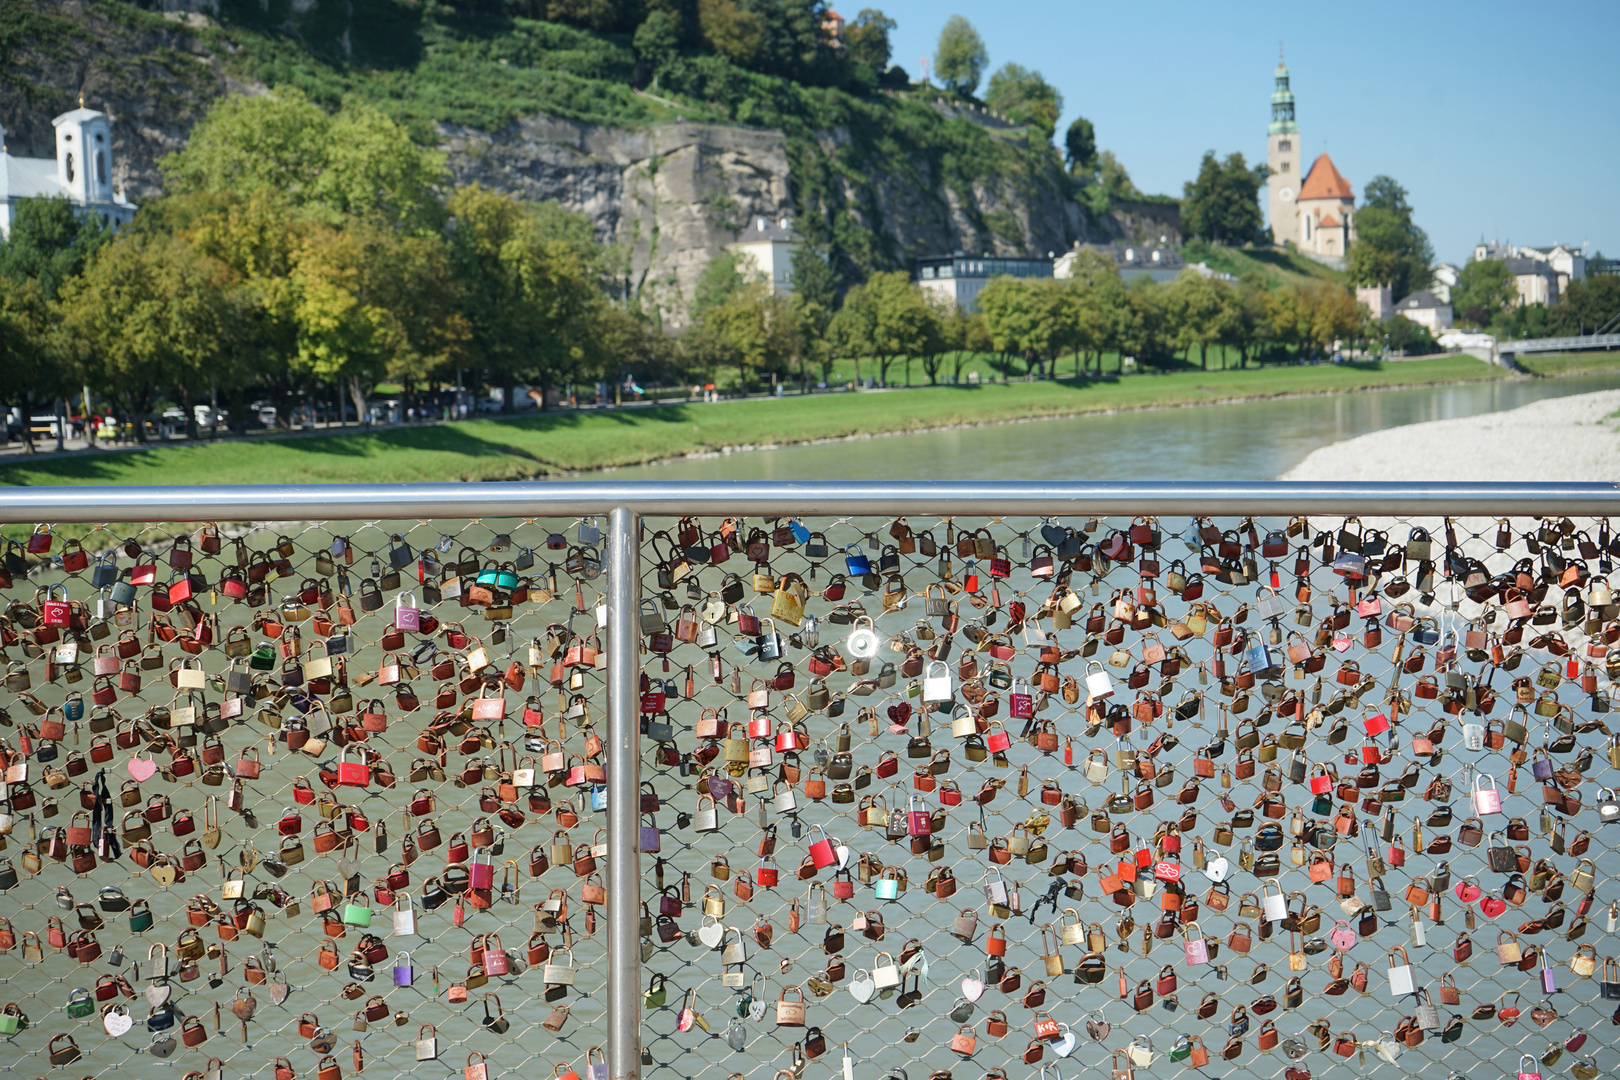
1329,222
1325,182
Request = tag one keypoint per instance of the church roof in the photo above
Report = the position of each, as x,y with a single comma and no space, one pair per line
1325,182
27,178
80,115
1329,222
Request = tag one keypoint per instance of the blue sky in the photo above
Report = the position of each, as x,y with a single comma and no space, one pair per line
1500,119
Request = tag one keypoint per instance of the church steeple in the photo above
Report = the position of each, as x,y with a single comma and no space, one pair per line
1282,102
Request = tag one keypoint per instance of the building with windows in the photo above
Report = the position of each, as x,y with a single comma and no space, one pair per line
770,242
1313,210
82,171
960,278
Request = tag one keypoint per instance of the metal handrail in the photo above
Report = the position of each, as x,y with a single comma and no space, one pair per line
412,501
624,504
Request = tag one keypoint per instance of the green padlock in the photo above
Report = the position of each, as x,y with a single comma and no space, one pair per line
12,1022
656,994
356,915
140,917
263,658
80,1004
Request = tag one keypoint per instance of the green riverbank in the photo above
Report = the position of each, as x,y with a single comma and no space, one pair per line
562,442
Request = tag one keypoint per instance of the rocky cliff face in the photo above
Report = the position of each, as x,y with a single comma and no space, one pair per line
670,196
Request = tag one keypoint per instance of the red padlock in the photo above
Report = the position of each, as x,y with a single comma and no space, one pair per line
821,852
55,612
353,773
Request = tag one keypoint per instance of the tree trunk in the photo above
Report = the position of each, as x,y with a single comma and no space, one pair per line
508,390
135,418
357,395
742,376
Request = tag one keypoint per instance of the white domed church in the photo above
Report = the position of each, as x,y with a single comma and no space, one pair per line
82,171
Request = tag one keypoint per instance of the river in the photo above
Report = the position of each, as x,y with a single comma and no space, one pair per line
1256,440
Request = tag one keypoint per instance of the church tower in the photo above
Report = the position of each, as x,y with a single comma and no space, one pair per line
1282,155
84,165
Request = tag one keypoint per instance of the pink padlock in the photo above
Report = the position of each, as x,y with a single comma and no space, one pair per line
1020,703
1196,948
407,616
1523,1075
1486,800
481,875
1342,937
495,962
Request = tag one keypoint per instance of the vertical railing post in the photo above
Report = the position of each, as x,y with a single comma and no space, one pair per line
624,795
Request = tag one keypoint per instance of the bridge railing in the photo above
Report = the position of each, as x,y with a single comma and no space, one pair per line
994,778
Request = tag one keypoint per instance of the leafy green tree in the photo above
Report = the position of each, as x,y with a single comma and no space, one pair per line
1151,330
1411,338
357,162
886,318
1197,305
1389,249
1100,309
49,243
814,302
1587,306
1223,204
1484,290
1080,147
724,276
749,330
1025,97
150,313
732,30
27,365
867,38
532,285
960,57
1028,317
658,41
592,14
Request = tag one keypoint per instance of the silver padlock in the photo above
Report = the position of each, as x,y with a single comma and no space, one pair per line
1608,807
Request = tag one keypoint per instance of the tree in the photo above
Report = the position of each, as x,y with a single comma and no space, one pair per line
749,330
1025,97
867,39
1080,147
1223,204
724,276
1587,306
150,313
27,366
658,41
814,302
1389,248
1411,338
1197,305
49,243
532,278
1101,310
886,318
1150,331
1484,289
732,30
358,162
960,57
1029,317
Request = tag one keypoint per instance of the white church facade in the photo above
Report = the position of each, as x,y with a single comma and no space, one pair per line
82,171
1312,210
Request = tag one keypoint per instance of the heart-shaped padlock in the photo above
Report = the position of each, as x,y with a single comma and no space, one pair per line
972,989
117,1021
861,988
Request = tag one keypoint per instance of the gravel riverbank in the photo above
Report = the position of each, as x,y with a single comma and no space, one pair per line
1563,439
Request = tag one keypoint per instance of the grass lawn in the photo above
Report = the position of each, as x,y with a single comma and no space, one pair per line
1591,363
563,441
1275,267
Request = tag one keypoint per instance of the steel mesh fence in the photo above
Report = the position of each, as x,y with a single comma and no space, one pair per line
1234,755
1194,713
250,827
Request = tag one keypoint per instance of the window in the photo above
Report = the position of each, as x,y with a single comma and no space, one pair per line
101,167
1284,167
70,166
1307,226
1285,144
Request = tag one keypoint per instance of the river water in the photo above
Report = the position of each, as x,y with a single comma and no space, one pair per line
1257,440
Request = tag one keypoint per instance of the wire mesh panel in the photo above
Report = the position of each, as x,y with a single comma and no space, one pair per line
302,800
1002,798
